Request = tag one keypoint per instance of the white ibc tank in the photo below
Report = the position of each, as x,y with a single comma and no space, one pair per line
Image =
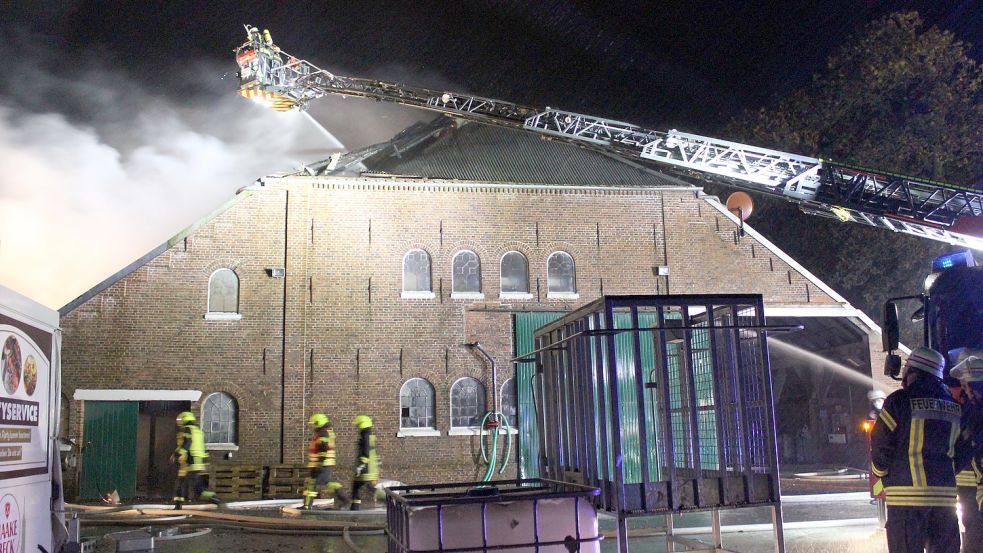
508,523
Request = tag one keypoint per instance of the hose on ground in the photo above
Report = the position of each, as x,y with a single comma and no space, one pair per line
245,522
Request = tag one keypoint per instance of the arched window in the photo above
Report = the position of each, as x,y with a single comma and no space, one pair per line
416,274
467,403
560,273
416,404
219,418
466,275
510,404
223,292
515,273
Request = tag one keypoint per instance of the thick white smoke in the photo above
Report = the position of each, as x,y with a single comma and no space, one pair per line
96,170
103,159
78,203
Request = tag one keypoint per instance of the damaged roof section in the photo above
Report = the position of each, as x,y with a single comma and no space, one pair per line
448,148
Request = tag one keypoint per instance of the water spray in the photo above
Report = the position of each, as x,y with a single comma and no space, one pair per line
819,359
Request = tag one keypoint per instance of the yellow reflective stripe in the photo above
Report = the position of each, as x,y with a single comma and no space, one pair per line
920,492
966,478
878,487
878,472
926,502
953,436
888,420
916,439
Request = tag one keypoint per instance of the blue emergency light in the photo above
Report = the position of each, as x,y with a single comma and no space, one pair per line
947,261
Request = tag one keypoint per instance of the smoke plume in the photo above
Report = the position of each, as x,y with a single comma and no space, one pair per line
97,169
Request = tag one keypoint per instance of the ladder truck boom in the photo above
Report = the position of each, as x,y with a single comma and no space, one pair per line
921,207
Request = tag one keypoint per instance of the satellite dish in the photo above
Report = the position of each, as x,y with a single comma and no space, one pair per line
740,204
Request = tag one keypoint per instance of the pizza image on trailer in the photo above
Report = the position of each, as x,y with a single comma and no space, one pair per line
11,365
30,374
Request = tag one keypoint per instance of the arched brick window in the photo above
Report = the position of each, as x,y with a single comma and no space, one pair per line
416,273
223,292
467,403
219,419
416,404
561,274
466,275
515,273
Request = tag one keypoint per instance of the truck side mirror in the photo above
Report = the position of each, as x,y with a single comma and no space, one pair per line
892,366
919,315
891,332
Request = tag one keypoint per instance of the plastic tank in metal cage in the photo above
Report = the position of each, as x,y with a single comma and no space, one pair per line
508,516
664,403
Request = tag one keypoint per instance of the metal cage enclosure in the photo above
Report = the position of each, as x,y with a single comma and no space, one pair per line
664,403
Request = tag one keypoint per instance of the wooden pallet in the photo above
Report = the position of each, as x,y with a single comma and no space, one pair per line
286,481
237,480
283,491
288,471
237,471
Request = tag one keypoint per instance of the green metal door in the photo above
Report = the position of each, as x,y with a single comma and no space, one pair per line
525,324
109,459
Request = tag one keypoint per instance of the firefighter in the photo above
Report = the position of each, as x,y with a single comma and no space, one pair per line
192,462
320,459
367,466
913,446
969,372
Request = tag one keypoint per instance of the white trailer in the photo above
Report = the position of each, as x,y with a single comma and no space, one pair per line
30,378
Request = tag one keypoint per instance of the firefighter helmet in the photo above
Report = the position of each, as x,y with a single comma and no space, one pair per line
185,417
319,420
362,422
969,369
926,360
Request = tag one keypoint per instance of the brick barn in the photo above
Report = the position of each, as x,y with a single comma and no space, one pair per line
351,288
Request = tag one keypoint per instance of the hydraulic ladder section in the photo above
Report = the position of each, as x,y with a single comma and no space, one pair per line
926,208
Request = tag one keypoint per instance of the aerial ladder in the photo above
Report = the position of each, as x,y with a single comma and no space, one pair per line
921,207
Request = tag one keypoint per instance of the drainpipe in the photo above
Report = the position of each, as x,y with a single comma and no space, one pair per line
491,360
283,347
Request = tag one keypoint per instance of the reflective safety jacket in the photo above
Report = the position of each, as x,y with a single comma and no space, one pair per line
966,478
914,444
321,451
367,469
190,454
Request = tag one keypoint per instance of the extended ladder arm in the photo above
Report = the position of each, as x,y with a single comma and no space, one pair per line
921,207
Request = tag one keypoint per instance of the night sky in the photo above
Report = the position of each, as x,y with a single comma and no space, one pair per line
116,124
686,64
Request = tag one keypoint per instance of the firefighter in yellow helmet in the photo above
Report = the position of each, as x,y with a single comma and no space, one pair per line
367,465
320,459
192,462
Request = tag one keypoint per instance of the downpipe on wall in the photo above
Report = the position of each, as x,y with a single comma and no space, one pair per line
493,421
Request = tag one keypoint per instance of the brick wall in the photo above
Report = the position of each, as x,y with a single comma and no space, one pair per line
351,339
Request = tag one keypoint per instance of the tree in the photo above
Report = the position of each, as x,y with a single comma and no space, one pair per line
896,98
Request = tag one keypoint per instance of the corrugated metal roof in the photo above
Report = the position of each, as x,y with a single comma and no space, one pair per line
473,151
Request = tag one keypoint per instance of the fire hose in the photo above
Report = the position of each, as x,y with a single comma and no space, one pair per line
140,516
